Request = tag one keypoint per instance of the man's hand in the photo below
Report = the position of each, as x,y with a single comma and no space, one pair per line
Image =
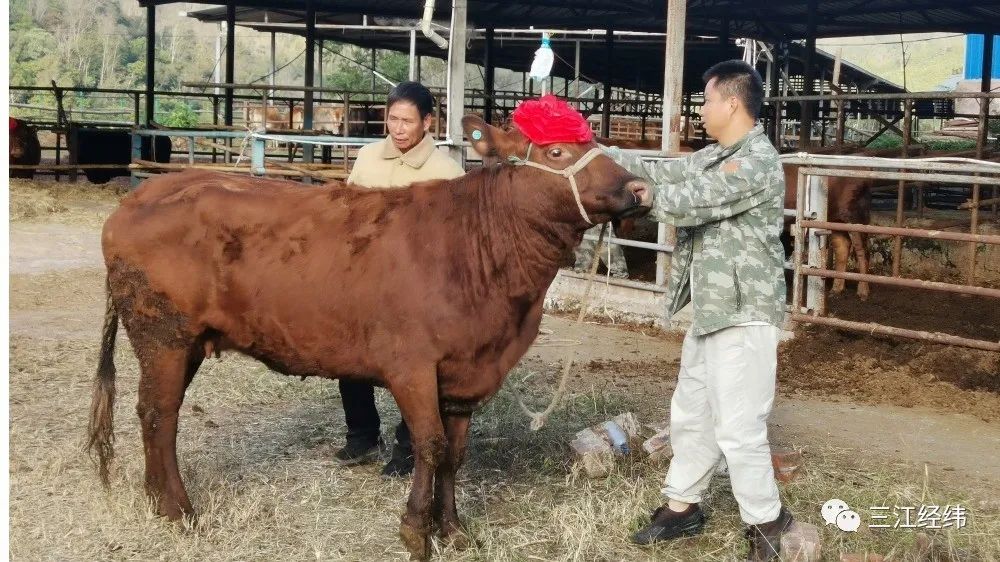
731,167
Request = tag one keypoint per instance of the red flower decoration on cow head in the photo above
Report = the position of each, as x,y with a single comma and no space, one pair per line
13,124
550,119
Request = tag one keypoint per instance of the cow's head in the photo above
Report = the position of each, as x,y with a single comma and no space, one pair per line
17,147
607,191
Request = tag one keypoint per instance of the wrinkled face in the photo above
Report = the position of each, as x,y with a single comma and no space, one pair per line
718,109
606,189
406,127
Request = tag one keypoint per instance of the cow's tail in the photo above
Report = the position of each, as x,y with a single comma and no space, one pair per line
101,431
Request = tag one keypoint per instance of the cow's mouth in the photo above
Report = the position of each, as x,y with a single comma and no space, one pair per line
636,210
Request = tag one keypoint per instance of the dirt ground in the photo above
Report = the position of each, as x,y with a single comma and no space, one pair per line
880,421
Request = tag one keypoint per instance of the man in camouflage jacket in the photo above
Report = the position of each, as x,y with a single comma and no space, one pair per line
727,203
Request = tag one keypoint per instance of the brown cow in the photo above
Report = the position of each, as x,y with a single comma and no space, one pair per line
849,200
271,116
328,118
24,147
335,283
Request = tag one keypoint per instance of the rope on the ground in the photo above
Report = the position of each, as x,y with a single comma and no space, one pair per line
538,419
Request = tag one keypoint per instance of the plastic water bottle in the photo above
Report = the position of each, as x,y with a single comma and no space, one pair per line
619,440
544,57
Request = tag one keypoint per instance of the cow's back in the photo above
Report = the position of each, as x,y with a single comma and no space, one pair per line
848,199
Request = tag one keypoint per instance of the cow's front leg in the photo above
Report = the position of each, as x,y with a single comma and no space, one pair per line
417,396
456,428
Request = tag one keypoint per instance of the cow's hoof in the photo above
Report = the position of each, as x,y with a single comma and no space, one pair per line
863,293
416,540
452,534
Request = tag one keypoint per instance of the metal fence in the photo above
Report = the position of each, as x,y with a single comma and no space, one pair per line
812,227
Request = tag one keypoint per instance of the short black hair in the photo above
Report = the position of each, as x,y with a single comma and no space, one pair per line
737,78
415,93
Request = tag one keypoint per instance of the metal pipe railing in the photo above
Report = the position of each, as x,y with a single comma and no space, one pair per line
883,170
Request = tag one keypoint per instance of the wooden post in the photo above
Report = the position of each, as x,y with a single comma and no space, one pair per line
150,61
805,125
609,44
274,65
412,74
989,43
772,91
215,121
307,101
673,88
227,107
984,113
488,76
576,72
456,83
897,245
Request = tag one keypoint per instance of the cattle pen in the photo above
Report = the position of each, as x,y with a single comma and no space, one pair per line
887,399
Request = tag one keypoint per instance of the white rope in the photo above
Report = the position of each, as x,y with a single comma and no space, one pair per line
538,418
243,146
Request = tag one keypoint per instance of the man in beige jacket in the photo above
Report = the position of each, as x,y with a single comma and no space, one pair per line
406,156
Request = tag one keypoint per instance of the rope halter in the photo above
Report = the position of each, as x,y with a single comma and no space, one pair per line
568,173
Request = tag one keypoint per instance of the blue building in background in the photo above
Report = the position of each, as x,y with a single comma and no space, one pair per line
974,57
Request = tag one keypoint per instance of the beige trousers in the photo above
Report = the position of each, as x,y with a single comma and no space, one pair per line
719,409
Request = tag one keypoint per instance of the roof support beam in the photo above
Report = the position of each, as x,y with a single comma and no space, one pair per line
488,68
310,69
227,110
456,78
989,41
673,99
150,62
805,126
609,43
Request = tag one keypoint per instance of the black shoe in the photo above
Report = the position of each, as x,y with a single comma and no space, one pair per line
667,524
765,539
358,452
401,463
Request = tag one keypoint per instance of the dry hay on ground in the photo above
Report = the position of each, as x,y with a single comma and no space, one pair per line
82,203
255,450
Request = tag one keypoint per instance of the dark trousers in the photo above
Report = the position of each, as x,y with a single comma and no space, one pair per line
363,422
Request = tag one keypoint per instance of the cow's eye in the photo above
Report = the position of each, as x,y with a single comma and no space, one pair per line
555,152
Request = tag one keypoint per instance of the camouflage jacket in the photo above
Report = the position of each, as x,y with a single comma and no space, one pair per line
727,204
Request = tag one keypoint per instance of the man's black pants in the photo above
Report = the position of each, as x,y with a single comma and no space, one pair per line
363,422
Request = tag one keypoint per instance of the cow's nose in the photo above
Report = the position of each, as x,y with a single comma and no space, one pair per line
641,191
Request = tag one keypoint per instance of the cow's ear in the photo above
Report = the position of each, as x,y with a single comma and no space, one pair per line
492,143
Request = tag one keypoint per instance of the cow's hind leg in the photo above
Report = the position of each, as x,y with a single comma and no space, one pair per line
456,428
859,241
841,252
169,354
417,397
166,374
